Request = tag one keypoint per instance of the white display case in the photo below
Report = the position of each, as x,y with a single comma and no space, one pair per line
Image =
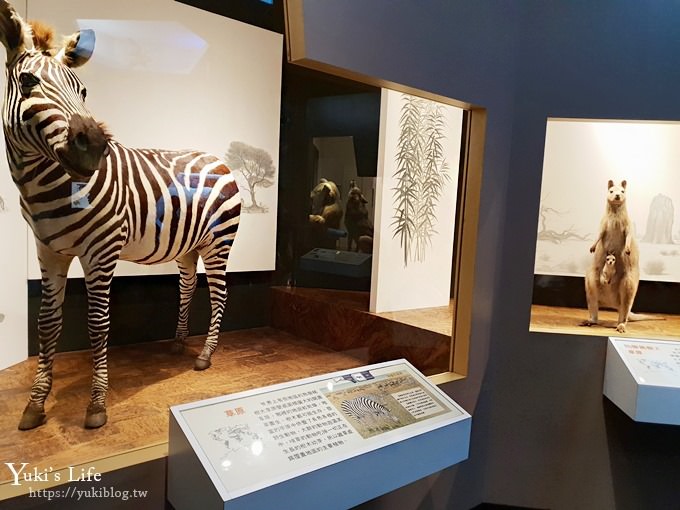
642,377
331,441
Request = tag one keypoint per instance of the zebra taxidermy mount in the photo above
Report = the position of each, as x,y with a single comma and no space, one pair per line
85,195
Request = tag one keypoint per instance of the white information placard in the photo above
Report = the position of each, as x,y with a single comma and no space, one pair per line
651,362
642,377
250,441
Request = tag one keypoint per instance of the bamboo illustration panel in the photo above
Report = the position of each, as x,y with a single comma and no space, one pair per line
171,76
415,202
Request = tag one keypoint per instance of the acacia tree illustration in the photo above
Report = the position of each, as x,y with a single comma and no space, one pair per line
256,166
422,172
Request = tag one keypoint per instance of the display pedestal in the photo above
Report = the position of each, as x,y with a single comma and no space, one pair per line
331,441
338,262
422,336
642,377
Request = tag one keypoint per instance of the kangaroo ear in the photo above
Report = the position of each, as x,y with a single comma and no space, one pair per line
610,184
77,49
15,34
623,184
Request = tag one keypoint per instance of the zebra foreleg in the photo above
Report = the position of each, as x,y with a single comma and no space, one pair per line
54,269
98,283
216,273
187,286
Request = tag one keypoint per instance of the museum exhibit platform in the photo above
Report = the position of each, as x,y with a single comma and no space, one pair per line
314,331
642,377
567,320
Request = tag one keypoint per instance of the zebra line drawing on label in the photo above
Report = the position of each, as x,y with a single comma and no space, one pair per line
384,403
367,410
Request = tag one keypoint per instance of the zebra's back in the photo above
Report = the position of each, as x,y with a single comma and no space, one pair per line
176,202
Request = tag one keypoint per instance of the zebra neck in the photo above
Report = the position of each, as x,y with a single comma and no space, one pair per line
26,167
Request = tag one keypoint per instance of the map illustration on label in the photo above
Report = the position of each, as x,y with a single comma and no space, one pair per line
651,362
235,438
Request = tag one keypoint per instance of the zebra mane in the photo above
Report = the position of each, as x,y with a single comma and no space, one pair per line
106,130
43,37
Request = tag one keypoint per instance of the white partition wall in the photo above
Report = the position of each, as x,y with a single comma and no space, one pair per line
13,265
418,162
167,75
13,268
581,156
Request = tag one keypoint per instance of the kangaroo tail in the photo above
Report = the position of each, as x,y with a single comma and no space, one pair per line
634,317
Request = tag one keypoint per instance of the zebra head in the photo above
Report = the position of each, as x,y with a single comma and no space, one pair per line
44,112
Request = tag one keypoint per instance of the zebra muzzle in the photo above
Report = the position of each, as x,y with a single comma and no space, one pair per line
85,148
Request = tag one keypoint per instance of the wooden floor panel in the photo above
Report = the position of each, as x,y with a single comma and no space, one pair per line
340,320
438,319
555,319
145,379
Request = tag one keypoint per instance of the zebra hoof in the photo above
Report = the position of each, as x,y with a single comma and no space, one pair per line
201,364
177,347
95,416
33,416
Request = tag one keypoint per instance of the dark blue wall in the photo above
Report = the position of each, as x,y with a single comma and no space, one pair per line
467,51
543,435
569,447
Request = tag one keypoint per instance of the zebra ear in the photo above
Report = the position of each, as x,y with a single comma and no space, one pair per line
15,34
77,49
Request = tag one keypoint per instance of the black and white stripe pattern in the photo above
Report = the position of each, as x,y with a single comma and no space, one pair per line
146,206
366,408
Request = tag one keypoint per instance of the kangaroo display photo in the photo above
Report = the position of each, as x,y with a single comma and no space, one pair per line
607,259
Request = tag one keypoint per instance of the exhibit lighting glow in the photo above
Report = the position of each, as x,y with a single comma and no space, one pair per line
257,447
226,464
330,386
144,45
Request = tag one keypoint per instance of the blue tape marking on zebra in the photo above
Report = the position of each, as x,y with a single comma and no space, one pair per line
82,202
